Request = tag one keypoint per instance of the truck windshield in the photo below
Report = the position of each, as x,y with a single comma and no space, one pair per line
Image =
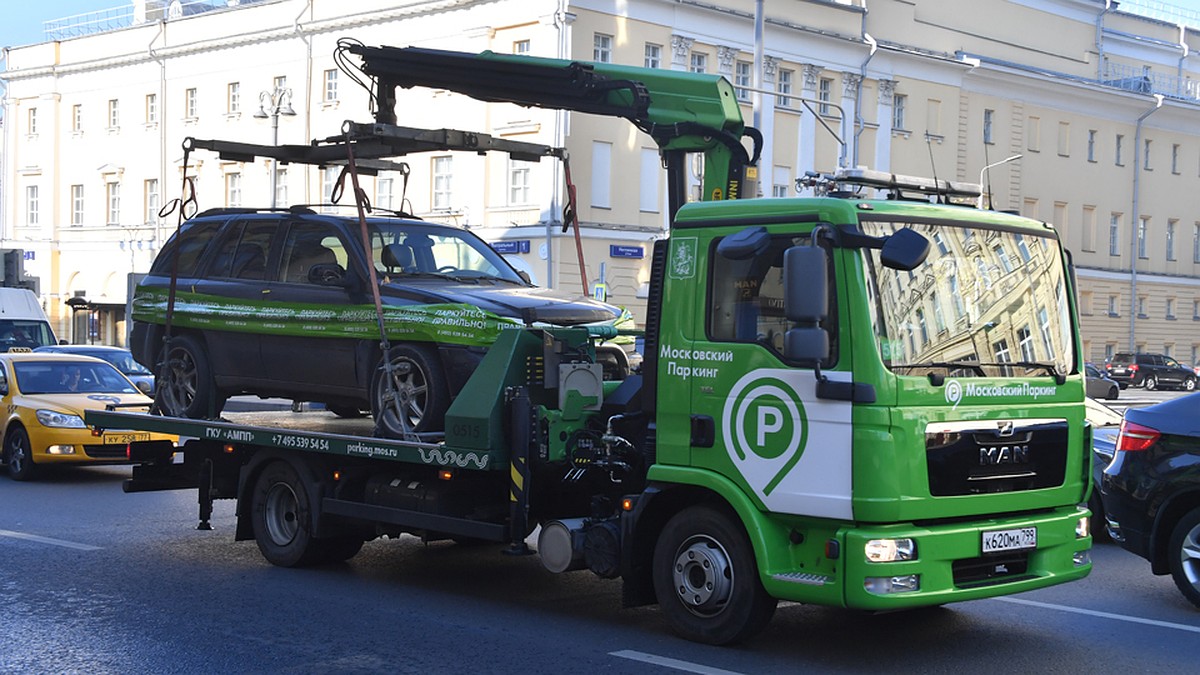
986,302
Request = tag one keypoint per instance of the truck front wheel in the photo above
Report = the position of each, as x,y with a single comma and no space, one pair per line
282,517
706,578
1184,552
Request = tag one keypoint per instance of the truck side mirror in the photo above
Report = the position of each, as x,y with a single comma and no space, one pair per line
806,302
904,250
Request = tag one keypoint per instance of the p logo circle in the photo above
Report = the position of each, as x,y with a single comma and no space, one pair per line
954,392
764,419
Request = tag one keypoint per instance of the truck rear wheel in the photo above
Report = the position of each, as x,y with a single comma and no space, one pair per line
282,517
706,578
1184,554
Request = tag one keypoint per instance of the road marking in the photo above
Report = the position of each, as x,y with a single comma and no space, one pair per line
1103,615
671,663
47,540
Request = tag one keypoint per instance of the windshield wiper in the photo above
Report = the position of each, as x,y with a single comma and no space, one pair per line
949,365
1050,368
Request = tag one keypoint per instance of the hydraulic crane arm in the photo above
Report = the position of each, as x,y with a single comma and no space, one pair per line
683,112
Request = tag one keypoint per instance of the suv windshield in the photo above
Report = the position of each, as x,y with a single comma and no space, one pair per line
407,248
984,303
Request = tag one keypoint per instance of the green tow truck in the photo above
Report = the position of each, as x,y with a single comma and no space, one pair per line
847,400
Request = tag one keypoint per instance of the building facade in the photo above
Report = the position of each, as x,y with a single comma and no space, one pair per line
1076,112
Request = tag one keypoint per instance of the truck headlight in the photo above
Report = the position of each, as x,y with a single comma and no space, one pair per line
52,418
890,550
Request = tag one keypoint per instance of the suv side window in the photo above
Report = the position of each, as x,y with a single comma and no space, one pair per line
308,244
191,240
244,250
1171,363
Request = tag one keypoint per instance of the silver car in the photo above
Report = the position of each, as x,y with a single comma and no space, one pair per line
1100,385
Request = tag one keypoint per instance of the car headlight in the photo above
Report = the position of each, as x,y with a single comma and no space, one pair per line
52,418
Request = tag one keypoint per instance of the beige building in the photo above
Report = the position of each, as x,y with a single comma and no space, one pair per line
1101,105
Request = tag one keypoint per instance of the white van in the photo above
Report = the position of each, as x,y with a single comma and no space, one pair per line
23,324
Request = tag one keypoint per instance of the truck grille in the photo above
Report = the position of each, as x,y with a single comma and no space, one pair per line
991,569
988,457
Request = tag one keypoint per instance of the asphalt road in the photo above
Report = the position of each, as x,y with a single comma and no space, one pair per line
93,580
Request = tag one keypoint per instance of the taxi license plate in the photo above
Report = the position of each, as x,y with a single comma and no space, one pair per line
122,439
1009,540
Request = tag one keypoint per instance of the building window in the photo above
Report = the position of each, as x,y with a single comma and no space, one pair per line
1109,350
1089,228
1025,343
151,108
331,84
1023,248
1044,328
1196,243
233,189
699,62
384,192
1141,307
521,47
602,48
742,80
1091,145
279,82
1143,227
650,194
956,298
76,205
189,103
924,329
1171,238
233,98
31,205
1175,159
653,58
518,182
1064,139
329,176
1114,235
442,176
1171,308
783,85
1120,147
939,317
151,199
1033,131
899,111
824,95
1146,155
281,185
1112,306
113,199
1000,348
601,174
987,125
1002,256
31,122
77,118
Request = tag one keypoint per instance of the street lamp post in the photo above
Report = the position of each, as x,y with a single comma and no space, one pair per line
984,170
272,104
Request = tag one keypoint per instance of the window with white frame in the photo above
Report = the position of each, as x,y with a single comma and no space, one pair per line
742,80
1120,147
189,103
988,121
152,199
114,113
783,84
281,185
1146,155
279,82
1091,145
602,48
1175,159
899,111
1112,306
1025,343
1172,224
825,95
781,180
233,98
329,176
331,85
653,56
1044,328
233,189
1114,235
31,205
151,108
521,47
698,62
1142,230
649,196
442,183
76,205
384,192
518,183
112,197
1171,308
77,118
601,174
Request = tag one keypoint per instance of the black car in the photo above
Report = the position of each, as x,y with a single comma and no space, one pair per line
279,303
1152,371
1106,425
1151,489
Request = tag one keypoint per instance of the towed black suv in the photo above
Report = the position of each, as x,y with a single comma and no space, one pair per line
1153,371
278,303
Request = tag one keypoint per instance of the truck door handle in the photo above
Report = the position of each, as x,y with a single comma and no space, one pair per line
704,431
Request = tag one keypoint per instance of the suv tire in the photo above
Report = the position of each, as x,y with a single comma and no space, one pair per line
420,396
185,387
1183,553
1189,384
1150,383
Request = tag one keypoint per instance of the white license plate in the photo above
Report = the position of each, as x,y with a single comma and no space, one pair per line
1009,540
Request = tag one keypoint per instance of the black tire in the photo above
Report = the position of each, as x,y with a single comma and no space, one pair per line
1099,526
18,455
1150,383
344,411
1189,384
185,387
1113,393
420,396
1183,552
1122,385
282,518
706,578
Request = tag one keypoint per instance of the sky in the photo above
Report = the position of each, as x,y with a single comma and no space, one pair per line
22,22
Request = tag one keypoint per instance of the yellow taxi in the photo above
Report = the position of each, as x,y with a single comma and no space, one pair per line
43,396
